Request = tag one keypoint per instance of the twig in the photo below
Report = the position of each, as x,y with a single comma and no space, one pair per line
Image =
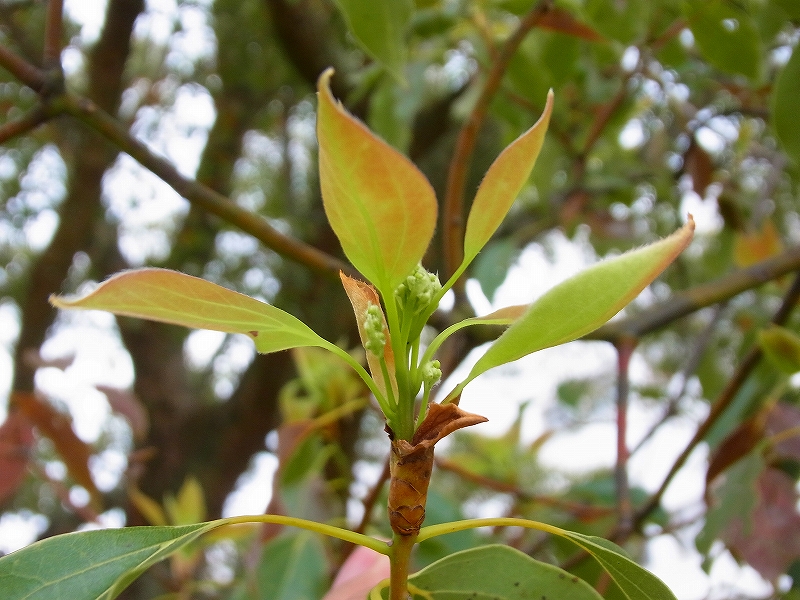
453,218
89,113
31,119
625,349
53,31
723,401
20,68
690,367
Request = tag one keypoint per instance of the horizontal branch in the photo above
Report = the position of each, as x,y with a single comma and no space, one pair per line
214,202
31,119
684,303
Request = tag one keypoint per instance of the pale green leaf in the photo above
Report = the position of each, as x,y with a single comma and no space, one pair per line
380,27
582,303
172,297
496,572
784,107
502,184
782,347
381,207
90,564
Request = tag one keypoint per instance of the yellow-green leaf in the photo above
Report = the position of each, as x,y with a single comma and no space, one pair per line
582,303
172,297
502,184
381,207
784,107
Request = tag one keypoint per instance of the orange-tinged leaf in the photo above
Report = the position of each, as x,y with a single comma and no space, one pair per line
755,246
16,445
381,207
582,303
361,295
172,297
57,427
502,184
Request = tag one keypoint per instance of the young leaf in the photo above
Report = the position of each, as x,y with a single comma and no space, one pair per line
381,207
497,572
502,184
172,297
380,27
581,304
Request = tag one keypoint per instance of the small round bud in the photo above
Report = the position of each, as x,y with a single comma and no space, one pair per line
373,330
431,373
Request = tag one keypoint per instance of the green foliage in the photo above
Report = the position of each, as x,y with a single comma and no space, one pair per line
496,572
784,106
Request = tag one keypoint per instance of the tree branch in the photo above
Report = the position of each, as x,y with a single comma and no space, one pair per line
453,209
30,120
214,202
20,68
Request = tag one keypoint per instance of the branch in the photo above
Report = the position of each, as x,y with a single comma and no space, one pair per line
30,120
89,113
20,68
453,218
625,350
53,30
723,401
684,303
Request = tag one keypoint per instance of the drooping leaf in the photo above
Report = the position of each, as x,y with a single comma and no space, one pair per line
582,303
726,36
496,572
16,445
784,107
502,184
57,427
381,207
635,582
180,299
90,564
380,27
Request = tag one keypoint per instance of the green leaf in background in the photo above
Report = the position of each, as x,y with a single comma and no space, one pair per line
496,572
502,184
492,264
381,207
180,299
784,107
380,27
293,567
782,347
726,36
90,564
582,303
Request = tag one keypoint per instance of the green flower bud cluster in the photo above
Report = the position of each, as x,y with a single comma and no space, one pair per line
431,373
373,330
416,293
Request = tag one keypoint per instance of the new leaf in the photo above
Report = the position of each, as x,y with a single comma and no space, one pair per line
381,207
180,299
582,303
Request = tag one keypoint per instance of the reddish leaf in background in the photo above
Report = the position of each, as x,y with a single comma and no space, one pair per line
782,418
362,571
16,443
771,542
558,19
698,164
739,443
57,427
127,405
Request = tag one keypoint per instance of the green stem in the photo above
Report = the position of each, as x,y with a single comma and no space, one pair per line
432,531
329,530
404,424
400,559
